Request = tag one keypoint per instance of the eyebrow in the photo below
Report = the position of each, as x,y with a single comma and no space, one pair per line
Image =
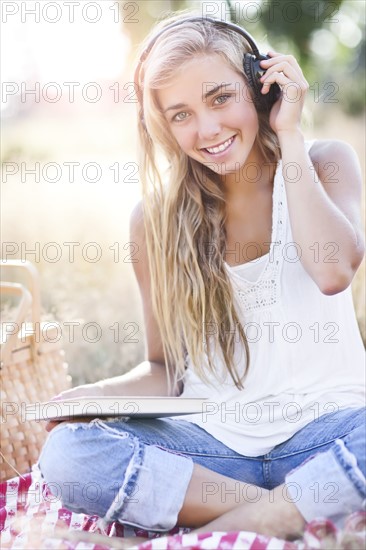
206,95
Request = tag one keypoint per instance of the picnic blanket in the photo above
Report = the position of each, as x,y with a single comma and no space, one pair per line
32,518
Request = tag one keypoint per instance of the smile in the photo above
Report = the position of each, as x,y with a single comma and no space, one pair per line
220,148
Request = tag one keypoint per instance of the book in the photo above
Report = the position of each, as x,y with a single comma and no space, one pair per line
87,408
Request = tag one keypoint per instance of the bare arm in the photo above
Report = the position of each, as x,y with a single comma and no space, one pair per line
148,378
325,211
323,203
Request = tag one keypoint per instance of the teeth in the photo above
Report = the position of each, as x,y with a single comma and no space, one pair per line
221,147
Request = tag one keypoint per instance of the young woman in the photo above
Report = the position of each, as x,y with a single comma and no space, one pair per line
247,248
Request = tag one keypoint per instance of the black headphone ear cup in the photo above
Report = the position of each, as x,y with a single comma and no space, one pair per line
253,71
253,83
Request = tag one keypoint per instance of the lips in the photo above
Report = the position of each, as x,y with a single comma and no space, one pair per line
220,148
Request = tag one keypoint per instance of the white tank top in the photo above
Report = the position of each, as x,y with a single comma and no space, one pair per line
306,354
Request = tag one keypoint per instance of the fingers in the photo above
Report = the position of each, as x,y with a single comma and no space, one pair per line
276,57
50,425
283,67
283,80
284,70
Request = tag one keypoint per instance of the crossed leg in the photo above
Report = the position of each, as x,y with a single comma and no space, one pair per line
265,512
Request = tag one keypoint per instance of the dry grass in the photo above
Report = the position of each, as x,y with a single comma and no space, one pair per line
79,290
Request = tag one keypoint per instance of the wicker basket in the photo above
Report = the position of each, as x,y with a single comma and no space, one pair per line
32,370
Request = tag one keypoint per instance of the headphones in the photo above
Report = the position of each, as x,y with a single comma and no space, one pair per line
251,64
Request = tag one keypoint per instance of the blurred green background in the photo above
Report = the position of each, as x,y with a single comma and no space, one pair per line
68,109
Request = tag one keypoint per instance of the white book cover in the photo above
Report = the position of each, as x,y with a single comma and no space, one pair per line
131,406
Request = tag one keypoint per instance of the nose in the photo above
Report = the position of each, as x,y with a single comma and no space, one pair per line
208,127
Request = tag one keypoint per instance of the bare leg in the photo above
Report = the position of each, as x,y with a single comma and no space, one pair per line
211,495
273,514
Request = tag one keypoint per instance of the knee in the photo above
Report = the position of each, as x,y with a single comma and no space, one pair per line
61,454
61,464
84,465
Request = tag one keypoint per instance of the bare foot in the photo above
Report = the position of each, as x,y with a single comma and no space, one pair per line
273,515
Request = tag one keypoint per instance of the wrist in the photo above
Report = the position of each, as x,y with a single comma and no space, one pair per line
292,135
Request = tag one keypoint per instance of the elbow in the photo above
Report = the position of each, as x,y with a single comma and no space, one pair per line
337,282
334,285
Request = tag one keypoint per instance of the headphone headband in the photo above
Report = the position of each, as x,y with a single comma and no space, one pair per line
224,24
231,26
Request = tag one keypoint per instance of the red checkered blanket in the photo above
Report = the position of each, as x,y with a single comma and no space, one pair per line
30,517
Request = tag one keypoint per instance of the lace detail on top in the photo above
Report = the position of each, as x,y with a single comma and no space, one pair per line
265,291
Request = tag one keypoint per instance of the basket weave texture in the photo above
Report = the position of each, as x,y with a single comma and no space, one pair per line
34,371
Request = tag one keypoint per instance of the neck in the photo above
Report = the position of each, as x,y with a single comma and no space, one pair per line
255,176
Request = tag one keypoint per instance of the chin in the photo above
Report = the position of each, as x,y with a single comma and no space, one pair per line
230,168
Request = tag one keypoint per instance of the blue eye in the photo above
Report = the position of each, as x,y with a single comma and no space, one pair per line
222,98
179,117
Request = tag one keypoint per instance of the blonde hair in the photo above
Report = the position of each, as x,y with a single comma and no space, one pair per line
185,215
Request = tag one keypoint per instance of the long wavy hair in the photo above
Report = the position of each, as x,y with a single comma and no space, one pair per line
185,212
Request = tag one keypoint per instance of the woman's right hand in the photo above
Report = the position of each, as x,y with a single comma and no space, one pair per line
85,390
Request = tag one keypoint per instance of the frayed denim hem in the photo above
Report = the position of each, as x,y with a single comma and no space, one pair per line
344,491
144,490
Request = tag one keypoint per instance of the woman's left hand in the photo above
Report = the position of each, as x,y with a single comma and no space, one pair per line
285,114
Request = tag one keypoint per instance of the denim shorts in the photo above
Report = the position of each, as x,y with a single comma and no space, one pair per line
137,471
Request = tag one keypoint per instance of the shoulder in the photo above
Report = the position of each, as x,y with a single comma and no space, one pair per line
138,242
339,172
137,218
331,147
335,155
338,168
